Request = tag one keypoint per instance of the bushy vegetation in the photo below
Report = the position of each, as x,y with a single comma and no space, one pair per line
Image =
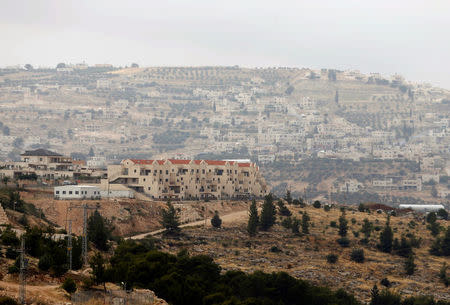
357,255
99,230
69,285
183,279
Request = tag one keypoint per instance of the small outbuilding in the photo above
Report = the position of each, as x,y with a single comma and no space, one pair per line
77,192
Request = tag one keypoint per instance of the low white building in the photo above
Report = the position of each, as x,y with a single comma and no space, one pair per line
425,208
76,192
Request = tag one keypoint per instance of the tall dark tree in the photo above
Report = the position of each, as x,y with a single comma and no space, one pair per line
253,219
268,213
216,222
343,225
386,238
410,266
305,223
97,263
99,230
170,219
288,197
367,228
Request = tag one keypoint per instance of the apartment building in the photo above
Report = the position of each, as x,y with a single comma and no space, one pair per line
190,179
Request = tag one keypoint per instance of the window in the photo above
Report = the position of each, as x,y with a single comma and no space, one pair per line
167,172
70,192
57,192
149,188
167,180
76,192
64,192
134,170
203,171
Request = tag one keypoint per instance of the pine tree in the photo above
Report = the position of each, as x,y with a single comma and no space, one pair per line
288,197
375,296
97,263
170,219
268,213
366,228
99,230
343,225
386,237
305,223
295,225
410,266
253,219
216,222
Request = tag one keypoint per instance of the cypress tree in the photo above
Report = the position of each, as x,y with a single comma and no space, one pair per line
253,219
268,213
170,219
386,237
343,227
216,222
410,266
305,223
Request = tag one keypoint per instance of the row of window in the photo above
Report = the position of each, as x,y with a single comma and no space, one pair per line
218,172
76,192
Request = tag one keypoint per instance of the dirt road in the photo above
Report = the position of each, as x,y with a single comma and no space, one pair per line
232,218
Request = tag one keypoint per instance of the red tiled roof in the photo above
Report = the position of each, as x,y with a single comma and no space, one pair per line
141,161
197,161
161,162
176,161
215,162
244,164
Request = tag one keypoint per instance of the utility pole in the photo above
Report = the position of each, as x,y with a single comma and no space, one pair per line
22,275
69,244
84,248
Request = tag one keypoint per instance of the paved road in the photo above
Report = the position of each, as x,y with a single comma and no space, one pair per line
226,219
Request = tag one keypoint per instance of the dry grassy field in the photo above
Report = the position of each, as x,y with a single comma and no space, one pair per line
305,256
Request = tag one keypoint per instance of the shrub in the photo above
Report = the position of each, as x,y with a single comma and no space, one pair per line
317,204
216,222
343,241
275,249
69,285
13,269
332,258
286,223
443,275
45,262
4,300
11,253
295,225
333,224
357,255
361,207
385,282
326,208
356,233
353,220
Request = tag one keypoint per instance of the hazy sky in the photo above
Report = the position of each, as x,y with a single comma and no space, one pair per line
387,36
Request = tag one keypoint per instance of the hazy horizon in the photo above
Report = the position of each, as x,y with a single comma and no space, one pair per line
405,37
